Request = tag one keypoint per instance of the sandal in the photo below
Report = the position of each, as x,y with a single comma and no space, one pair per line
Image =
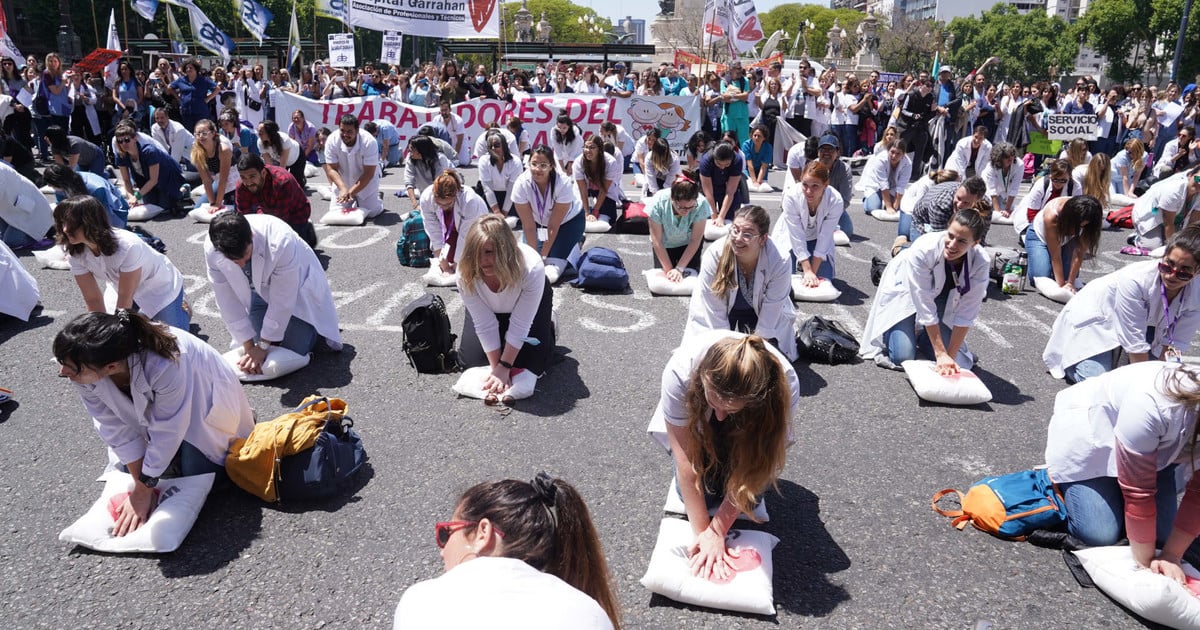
1134,250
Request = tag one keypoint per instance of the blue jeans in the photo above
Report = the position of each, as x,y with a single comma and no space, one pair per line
848,135
569,235
904,343
1096,508
904,226
845,223
188,461
300,336
826,268
173,314
1098,364
873,202
1039,256
13,237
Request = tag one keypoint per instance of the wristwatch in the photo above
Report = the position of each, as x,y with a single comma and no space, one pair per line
263,344
147,480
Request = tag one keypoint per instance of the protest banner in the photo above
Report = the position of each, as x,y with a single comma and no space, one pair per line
391,48
95,61
443,19
1071,126
341,50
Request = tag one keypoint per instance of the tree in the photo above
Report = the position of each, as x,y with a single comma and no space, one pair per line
1120,28
1027,45
789,17
563,16
909,45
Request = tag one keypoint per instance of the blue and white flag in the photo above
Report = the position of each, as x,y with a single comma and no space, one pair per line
293,40
333,9
208,35
176,35
145,8
255,17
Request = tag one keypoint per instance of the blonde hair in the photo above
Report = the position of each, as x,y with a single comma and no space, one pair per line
740,369
725,278
1098,177
509,264
1077,152
199,155
1137,154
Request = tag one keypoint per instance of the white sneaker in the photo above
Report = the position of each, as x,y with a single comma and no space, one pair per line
884,362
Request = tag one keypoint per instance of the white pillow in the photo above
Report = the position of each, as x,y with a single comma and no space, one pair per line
203,213
512,222
435,278
1158,252
198,192
674,505
1145,593
659,285
599,226
823,292
669,575
47,190
639,181
311,170
53,258
1000,219
886,215
554,269
962,389
337,216
713,232
144,212
471,382
1049,288
762,188
840,238
279,362
179,502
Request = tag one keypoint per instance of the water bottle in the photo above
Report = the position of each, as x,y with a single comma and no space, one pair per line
1022,268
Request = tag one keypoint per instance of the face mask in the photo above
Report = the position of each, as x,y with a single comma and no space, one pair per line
479,78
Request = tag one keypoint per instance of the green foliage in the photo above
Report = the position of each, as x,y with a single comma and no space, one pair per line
789,17
1027,45
563,16
909,45
1127,31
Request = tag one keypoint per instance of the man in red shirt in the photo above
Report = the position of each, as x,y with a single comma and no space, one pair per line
267,189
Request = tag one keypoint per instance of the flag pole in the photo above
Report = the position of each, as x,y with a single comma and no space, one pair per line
125,23
95,26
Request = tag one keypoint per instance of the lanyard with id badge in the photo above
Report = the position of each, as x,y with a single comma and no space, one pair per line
1170,352
540,200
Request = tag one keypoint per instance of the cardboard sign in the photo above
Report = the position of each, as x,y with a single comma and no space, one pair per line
1070,126
97,59
1039,144
341,50
390,54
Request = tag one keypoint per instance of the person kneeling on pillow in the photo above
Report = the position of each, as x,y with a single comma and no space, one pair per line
267,189
448,211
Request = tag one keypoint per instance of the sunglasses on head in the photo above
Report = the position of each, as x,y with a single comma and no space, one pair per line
1169,269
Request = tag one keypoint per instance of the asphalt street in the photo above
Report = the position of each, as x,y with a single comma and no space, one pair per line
860,546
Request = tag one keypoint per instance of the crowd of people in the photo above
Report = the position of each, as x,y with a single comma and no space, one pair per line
946,159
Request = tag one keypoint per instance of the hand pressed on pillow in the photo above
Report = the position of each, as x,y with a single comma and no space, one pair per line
710,559
135,510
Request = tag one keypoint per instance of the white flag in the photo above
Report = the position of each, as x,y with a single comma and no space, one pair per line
293,40
733,20
255,17
208,35
114,43
145,8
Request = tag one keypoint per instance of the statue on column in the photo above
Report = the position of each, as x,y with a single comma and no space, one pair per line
833,49
523,24
544,29
666,7
868,34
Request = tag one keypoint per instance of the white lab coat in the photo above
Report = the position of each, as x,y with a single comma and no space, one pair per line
910,285
351,162
160,281
196,398
287,275
792,233
467,209
499,179
480,152
961,156
87,95
772,298
1114,311
1126,404
875,175
913,195
22,205
176,140
1003,185
1167,195
246,91
18,290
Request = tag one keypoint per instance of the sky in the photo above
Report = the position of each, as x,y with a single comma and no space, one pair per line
616,10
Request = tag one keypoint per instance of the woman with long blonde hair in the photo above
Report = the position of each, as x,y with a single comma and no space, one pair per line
1127,168
727,402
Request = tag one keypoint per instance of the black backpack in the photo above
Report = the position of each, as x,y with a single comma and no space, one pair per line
827,341
428,342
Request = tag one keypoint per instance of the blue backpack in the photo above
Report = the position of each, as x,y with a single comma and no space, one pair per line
413,246
601,268
1009,506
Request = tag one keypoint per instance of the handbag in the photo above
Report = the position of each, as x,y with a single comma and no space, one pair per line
251,103
827,341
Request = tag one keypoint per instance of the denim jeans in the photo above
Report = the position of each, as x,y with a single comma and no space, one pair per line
846,224
824,271
1039,256
13,237
569,234
1096,508
904,226
873,202
1098,364
173,314
300,336
188,461
904,343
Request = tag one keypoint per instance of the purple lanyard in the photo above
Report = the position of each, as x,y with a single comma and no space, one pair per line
541,201
1169,333
966,275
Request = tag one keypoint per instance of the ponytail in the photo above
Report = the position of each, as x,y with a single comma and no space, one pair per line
97,339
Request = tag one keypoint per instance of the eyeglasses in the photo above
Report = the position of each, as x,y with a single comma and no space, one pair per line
682,208
445,529
1058,181
1168,269
742,236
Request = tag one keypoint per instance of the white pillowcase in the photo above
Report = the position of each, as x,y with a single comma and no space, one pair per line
144,212
203,213
47,190
325,192
198,192
311,170
179,502
823,292
337,216
554,269
841,239
436,278
1000,219
762,188
713,232
669,575
53,258
886,215
660,285
1050,289
962,389
1158,252
674,505
470,384
512,222
279,362
1145,593
599,226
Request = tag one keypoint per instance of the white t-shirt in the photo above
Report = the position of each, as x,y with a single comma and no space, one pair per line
564,190
520,301
351,161
567,152
291,151
503,593
613,168
160,281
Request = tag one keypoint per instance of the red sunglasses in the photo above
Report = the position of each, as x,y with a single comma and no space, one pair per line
1168,269
445,529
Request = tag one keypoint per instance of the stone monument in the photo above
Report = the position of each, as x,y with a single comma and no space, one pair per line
677,27
523,24
867,58
544,29
833,47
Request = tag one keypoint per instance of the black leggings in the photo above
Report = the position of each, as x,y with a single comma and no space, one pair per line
535,358
297,171
674,254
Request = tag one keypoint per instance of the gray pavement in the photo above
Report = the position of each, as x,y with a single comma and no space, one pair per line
860,546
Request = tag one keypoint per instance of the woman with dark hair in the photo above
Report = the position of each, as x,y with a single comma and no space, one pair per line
1056,183
661,168
759,156
677,216
214,157
280,150
936,287
70,183
598,176
100,254
422,165
746,285
1148,309
529,555
567,140
696,147
1003,174
720,179
150,177
305,134
164,402
727,404
1061,236
194,91
548,205
19,124
74,151
509,305
498,173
